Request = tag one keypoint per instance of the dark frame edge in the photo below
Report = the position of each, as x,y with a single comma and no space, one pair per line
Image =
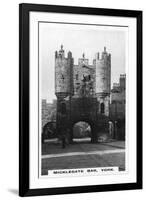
139,100
80,10
82,189
23,102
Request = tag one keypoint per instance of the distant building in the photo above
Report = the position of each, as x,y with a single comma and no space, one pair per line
118,106
118,98
48,111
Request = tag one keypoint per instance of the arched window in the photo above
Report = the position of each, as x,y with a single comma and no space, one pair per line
102,108
63,108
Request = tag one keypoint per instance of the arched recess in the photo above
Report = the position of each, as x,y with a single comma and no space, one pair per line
93,129
49,131
82,130
63,108
102,108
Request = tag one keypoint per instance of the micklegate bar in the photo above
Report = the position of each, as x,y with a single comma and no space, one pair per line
83,91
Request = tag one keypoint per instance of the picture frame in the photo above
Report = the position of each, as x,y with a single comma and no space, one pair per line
28,57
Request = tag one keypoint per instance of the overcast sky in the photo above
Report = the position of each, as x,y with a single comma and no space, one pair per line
78,39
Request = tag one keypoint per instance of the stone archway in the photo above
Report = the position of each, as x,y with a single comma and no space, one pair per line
81,130
93,128
80,109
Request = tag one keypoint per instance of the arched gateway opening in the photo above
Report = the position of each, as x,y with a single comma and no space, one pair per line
82,131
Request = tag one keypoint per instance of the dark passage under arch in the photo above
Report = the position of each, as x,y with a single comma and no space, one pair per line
81,129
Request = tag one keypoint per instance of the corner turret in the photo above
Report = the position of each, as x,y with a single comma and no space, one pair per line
63,73
103,80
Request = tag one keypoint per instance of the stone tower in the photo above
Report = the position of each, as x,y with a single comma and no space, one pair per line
103,81
122,81
63,74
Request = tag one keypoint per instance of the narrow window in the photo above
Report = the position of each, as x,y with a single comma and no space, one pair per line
62,77
102,108
63,108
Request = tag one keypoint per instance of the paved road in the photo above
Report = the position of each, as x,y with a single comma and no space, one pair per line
82,155
79,153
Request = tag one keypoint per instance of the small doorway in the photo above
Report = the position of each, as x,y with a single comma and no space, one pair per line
102,108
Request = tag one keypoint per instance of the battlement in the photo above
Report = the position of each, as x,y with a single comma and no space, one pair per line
61,54
84,61
104,55
123,76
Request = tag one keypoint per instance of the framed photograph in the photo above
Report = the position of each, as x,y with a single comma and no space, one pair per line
80,99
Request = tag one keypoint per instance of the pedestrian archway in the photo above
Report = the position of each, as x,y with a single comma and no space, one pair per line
81,130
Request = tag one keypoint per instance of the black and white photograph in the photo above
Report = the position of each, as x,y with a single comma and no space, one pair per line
82,77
